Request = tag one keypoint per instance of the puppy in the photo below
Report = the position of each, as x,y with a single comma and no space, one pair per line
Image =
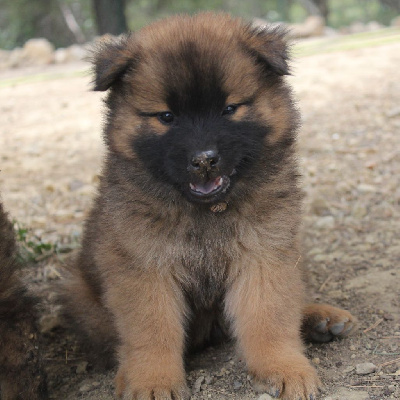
194,232
21,373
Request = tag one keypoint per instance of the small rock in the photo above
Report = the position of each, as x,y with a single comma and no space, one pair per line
209,380
347,394
349,369
265,396
85,388
39,51
197,385
316,361
313,26
365,368
76,53
359,211
364,188
374,26
81,367
394,112
237,385
319,206
337,294
16,58
75,185
327,222
61,56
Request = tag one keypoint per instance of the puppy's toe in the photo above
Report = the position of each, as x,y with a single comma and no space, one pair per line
323,323
294,381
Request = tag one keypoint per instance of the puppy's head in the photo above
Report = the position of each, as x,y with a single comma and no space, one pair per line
199,101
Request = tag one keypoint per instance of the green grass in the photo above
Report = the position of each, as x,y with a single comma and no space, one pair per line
32,249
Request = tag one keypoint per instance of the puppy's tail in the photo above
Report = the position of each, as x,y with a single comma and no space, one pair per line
21,373
84,313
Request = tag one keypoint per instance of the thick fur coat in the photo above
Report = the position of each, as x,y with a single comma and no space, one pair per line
194,233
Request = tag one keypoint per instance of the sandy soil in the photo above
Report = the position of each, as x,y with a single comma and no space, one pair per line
50,156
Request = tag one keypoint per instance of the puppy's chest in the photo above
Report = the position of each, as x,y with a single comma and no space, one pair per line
207,255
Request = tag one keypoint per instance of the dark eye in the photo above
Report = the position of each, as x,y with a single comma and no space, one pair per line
231,109
165,117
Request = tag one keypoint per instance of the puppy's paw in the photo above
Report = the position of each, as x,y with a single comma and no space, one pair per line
295,379
323,323
128,387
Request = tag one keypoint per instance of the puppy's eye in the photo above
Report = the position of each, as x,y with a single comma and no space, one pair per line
230,109
166,117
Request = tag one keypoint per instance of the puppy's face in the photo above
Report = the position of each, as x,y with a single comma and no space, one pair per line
198,100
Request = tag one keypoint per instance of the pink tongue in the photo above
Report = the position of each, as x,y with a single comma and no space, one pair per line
207,187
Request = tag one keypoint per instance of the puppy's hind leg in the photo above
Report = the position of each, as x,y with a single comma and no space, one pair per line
85,313
323,323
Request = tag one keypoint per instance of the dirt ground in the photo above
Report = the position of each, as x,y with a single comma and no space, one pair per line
349,146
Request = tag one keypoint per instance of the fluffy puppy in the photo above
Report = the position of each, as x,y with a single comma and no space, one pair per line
21,374
194,233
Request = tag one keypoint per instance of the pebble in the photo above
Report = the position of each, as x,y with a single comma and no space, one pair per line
75,185
365,188
85,388
347,394
319,206
327,222
265,396
197,384
347,370
237,385
365,368
82,367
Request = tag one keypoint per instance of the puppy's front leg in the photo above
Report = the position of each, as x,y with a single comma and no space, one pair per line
265,303
149,314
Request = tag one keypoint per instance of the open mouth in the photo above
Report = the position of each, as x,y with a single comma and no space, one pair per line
207,190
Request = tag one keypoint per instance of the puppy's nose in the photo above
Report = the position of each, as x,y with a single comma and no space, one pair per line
204,161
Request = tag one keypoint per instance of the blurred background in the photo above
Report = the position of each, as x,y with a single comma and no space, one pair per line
65,22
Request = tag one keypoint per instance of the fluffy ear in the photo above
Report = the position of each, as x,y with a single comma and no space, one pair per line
270,47
111,59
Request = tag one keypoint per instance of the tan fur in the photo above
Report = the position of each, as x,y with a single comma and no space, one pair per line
157,266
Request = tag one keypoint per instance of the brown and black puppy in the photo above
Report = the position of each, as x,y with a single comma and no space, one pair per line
21,374
195,227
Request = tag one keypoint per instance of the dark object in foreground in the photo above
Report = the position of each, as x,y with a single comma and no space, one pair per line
194,233
21,374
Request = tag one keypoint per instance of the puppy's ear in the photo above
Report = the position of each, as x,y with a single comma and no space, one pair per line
270,47
111,59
